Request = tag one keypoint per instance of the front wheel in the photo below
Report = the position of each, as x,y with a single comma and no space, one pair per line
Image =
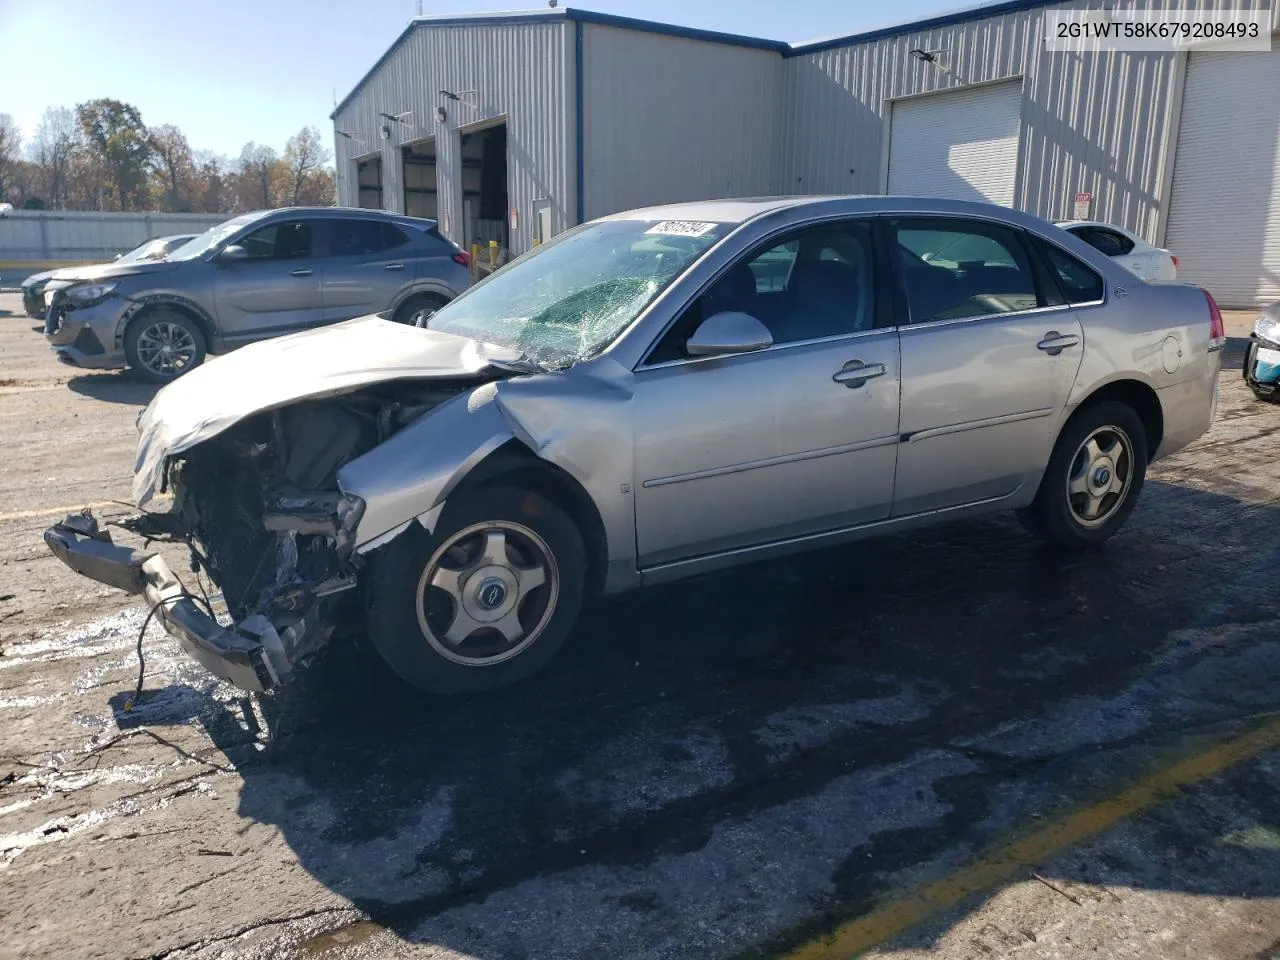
1093,479
486,600
163,344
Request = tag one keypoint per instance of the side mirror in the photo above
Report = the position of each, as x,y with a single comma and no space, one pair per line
116,257
233,252
727,333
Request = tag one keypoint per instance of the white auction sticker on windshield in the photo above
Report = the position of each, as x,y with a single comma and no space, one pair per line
682,228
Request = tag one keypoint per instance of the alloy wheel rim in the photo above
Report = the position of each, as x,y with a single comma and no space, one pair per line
1100,476
487,593
166,348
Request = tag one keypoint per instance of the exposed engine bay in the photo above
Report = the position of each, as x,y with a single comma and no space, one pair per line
260,509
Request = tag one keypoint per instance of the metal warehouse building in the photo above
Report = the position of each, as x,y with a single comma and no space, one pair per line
513,127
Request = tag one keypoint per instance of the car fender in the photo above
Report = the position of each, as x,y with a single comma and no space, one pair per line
410,475
422,285
578,422
164,299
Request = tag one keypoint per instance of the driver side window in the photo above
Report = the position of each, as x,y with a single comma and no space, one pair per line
279,241
809,284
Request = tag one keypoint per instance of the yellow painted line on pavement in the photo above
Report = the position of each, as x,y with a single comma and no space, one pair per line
61,511
1005,860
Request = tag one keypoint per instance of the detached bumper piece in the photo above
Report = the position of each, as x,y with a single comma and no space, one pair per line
254,660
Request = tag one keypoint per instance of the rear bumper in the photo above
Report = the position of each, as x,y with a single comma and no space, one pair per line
238,656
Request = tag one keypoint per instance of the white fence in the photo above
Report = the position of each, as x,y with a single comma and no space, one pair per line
66,235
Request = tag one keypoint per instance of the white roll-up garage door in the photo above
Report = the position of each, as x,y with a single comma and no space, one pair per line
1224,209
962,145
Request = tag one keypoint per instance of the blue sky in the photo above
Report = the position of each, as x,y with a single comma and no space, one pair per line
231,71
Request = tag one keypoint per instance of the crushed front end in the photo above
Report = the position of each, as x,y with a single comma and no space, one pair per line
260,511
1261,367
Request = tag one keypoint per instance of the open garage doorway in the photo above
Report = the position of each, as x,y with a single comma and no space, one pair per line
421,190
484,185
369,182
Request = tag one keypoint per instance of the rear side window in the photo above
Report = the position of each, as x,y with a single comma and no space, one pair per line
434,245
362,238
1076,279
953,269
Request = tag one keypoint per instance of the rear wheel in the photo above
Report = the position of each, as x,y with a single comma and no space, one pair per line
163,344
417,309
1093,479
486,600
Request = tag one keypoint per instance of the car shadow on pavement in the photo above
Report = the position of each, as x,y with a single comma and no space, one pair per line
119,387
991,677
1233,353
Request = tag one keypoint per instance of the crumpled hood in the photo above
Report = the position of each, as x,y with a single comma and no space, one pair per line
273,373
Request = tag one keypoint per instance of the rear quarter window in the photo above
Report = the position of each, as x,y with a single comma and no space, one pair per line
1078,281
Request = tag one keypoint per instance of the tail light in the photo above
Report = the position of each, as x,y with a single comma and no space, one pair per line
463,258
1174,258
1217,331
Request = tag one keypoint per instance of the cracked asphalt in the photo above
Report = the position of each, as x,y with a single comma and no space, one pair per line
913,746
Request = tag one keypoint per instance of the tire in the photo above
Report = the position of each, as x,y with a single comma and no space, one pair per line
420,303
146,337
1074,485
412,635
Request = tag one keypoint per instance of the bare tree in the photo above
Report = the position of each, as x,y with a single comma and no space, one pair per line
51,152
212,192
304,155
174,167
10,155
259,178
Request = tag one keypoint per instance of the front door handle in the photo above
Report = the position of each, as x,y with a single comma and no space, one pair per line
394,266
855,373
300,272
1054,342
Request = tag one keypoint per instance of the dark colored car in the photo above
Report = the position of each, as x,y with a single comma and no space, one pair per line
256,276
34,286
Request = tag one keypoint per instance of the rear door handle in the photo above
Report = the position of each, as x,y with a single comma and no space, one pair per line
394,266
855,373
301,272
1054,342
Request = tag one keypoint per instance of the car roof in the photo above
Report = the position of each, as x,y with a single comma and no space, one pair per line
738,211
342,213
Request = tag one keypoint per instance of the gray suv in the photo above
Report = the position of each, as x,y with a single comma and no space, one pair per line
258,275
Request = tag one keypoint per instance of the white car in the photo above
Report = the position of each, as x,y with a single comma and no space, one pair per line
1127,249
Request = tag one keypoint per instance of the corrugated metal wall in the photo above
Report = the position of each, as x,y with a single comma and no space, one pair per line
523,72
670,118
68,235
1099,123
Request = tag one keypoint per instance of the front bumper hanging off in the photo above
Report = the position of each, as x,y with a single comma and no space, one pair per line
244,657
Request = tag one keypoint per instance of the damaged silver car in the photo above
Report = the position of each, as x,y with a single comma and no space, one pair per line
652,395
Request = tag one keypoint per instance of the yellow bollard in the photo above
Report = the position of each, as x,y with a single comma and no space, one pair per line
493,253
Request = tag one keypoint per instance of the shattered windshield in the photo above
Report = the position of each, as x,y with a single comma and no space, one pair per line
573,296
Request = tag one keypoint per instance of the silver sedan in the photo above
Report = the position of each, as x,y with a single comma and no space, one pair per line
653,395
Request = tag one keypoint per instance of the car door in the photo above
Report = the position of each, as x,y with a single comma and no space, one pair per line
989,354
368,263
273,288
744,449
